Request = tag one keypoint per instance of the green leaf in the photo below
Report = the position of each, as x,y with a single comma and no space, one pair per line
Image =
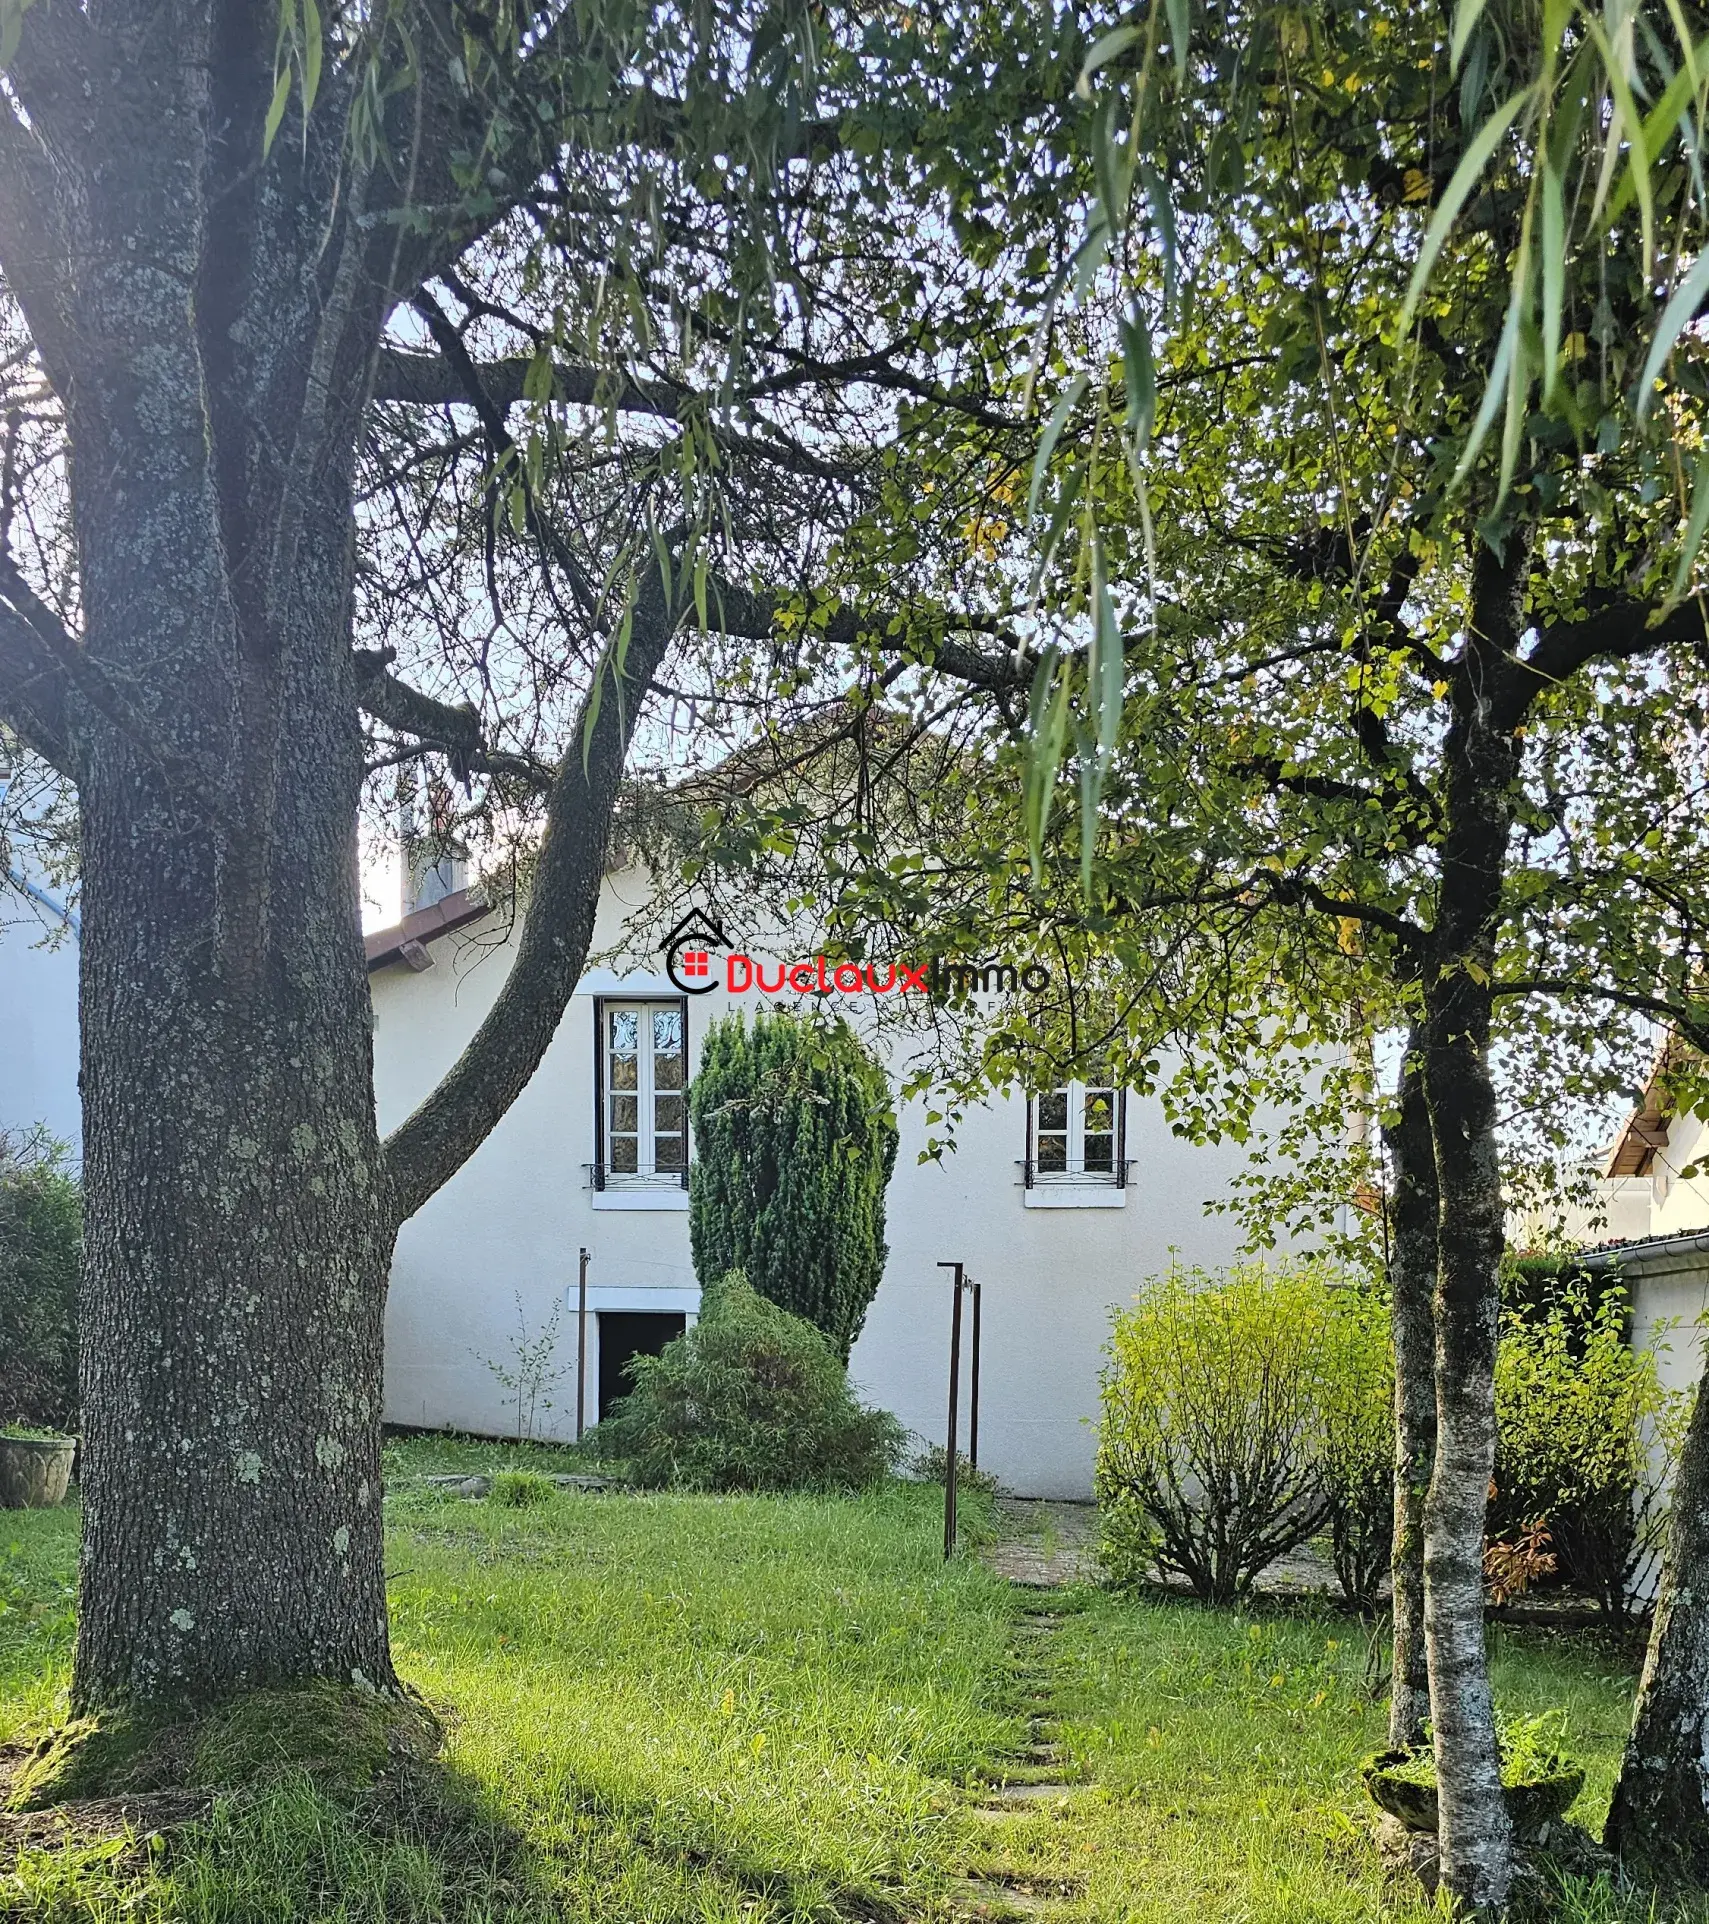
312,55
1139,377
1103,52
1554,272
1472,163
537,382
11,28
276,110
1104,673
1694,527
1179,34
1466,17
1687,298
1066,403
1494,393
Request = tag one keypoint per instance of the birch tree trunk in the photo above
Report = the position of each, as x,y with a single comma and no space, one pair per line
1412,1284
1658,1823
1481,756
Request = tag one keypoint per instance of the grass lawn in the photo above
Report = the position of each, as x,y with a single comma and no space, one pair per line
748,1710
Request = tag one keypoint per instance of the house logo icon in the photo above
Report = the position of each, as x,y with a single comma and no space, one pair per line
689,953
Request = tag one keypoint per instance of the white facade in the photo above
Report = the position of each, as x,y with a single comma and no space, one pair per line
1053,1262
38,1021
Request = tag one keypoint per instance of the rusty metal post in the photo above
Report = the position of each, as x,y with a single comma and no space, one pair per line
581,1349
953,1435
973,1389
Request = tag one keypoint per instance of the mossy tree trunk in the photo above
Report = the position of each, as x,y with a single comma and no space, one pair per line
209,319
1658,1822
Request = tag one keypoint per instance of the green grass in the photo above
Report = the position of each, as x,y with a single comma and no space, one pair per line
741,1711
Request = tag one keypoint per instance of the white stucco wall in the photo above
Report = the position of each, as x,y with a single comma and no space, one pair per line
38,1025
511,1221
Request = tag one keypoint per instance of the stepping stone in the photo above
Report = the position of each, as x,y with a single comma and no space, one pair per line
1030,1794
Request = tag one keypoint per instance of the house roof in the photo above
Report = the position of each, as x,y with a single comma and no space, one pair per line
406,941
1646,1128
1639,1249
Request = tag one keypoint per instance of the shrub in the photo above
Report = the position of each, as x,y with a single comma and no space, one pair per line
1586,1438
1227,1400
1355,1400
41,1256
794,1145
748,1398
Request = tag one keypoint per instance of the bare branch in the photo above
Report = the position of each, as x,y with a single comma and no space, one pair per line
428,1148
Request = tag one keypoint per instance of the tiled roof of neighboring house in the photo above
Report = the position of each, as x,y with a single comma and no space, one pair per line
406,941
1601,1255
1646,1130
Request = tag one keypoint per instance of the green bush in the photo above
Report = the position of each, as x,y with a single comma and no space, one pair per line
748,1398
1586,1438
1244,1410
41,1256
794,1144
1354,1376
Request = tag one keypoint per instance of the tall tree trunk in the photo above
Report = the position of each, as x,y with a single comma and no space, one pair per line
1473,1830
1481,757
1658,1823
237,1242
1412,1284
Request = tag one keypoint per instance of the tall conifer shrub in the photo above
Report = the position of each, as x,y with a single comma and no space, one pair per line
794,1144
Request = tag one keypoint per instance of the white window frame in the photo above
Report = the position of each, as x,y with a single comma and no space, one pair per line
646,1186
1076,1186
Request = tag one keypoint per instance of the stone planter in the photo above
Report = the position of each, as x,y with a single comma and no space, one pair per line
1531,1807
35,1472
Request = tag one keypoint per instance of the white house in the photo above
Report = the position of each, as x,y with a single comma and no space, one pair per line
1659,1216
1058,1208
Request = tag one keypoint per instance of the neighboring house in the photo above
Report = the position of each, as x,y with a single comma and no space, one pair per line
1059,1208
1662,1231
38,1004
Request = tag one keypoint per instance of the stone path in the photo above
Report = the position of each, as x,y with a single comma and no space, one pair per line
1043,1545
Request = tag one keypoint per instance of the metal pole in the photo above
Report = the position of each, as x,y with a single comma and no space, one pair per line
581,1349
953,1435
973,1396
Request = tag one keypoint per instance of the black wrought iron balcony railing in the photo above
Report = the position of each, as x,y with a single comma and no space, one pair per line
1113,1177
601,1175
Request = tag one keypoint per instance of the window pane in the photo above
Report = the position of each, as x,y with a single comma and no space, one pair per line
667,1070
667,1115
1101,1155
1052,1154
625,1119
1053,1110
623,1161
667,1032
625,1044
667,1152
1100,1110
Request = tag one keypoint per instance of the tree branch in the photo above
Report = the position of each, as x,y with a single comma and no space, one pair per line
32,693
454,730
1616,629
428,1148
1695,1028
